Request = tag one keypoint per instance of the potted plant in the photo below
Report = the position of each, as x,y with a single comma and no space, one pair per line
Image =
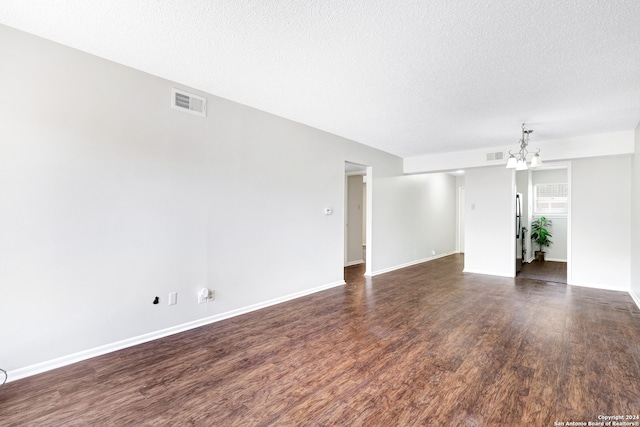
540,235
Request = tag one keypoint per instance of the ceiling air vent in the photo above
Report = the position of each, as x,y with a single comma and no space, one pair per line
499,155
188,102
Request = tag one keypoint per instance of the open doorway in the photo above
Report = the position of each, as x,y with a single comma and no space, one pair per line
547,193
357,248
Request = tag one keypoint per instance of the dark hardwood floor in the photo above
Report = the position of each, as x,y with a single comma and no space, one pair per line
425,345
548,271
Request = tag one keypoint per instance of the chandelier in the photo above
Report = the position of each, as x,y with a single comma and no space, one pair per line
518,161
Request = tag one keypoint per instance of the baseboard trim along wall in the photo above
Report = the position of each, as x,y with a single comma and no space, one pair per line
408,264
38,368
141,339
554,259
351,263
488,273
601,286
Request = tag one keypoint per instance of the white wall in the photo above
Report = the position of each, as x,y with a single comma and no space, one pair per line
490,221
422,206
601,222
601,191
635,220
460,206
110,198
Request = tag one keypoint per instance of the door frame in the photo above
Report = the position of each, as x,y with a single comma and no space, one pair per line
354,168
548,166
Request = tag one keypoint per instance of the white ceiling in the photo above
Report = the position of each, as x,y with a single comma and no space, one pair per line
409,77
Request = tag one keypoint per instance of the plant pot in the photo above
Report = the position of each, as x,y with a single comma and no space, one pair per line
539,255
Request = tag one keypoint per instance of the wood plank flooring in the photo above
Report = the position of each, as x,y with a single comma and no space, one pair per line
549,271
425,345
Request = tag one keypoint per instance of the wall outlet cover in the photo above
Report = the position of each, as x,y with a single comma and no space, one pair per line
173,298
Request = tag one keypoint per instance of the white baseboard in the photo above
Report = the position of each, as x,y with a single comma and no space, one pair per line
600,286
408,264
532,259
350,263
49,365
635,298
488,273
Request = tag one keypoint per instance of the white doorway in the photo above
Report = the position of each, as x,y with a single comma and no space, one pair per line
357,226
550,196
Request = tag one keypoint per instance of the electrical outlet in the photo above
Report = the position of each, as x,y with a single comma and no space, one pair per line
173,298
205,295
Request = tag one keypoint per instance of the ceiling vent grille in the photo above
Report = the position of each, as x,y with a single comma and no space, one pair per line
188,102
499,155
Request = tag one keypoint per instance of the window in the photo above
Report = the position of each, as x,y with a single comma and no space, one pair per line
551,199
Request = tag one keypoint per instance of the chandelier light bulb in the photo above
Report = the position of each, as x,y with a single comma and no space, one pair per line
536,161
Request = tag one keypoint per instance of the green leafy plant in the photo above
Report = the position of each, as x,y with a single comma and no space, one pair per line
539,232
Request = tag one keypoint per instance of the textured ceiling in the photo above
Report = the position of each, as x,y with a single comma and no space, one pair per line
409,77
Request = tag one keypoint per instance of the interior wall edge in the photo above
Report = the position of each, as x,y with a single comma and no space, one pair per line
635,297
